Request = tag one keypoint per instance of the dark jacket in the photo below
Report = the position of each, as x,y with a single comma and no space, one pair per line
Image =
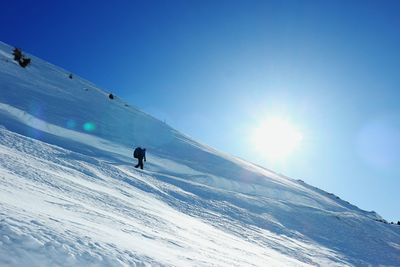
140,153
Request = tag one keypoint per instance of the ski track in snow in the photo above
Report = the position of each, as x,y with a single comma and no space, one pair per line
72,198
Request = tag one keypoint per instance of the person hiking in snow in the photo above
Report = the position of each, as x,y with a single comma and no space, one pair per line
140,154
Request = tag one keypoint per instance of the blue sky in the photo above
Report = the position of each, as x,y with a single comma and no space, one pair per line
215,69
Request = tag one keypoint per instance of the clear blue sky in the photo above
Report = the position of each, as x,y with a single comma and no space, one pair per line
214,69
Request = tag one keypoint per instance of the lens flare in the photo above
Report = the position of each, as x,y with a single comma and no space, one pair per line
71,124
379,143
89,126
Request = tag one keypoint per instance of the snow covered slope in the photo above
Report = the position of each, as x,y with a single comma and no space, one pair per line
70,196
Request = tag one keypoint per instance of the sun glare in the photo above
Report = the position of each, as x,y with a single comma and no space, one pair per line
276,139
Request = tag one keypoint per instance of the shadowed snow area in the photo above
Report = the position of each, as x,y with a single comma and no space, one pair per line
70,196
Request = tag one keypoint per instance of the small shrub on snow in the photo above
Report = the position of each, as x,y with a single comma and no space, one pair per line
22,60
17,53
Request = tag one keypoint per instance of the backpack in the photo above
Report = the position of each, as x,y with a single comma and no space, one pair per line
137,152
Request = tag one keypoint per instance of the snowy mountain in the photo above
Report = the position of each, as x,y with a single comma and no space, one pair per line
70,196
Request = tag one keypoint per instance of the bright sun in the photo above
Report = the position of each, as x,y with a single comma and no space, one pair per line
276,139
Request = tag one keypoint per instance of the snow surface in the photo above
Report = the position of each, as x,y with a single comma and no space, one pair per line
70,197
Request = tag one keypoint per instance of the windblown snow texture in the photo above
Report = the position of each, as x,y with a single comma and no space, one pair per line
70,196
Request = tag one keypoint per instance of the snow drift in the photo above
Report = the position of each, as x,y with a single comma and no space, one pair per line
69,194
